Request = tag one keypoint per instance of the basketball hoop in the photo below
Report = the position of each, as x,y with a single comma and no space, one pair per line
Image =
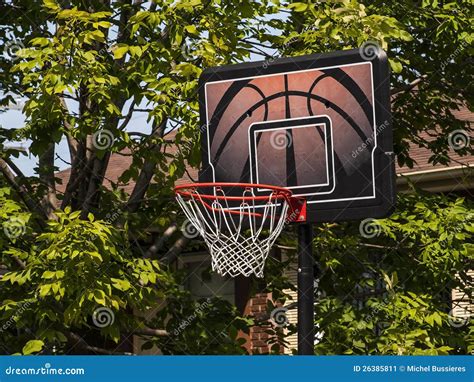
239,221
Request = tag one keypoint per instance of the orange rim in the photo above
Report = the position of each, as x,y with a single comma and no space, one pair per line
279,192
185,190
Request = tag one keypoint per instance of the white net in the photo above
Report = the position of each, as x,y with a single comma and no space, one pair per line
238,230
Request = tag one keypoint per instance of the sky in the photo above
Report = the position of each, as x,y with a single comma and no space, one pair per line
12,119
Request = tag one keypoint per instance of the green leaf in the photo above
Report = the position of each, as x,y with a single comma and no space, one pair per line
33,346
396,66
112,109
48,275
99,297
39,41
298,7
51,5
44,290
122,285
89,56
135,51
191,29
144,278
120,52
404,35
438,319
172,168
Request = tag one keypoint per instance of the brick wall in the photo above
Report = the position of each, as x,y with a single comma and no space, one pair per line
259,342
258,338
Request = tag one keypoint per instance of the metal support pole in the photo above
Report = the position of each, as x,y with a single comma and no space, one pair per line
305,290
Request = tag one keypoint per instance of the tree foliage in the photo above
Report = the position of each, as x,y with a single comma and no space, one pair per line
386,288
88,68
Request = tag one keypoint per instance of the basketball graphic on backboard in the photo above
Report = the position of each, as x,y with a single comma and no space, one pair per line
318,125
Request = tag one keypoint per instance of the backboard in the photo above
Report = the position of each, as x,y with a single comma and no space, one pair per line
319,125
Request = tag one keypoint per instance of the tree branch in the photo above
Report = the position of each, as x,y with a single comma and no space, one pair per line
72,142
175,250
46,175
19,262
257,43
409,86
78,341
146,174
127,117
23,192
158,244
72,184
77,175
97,176
151,332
